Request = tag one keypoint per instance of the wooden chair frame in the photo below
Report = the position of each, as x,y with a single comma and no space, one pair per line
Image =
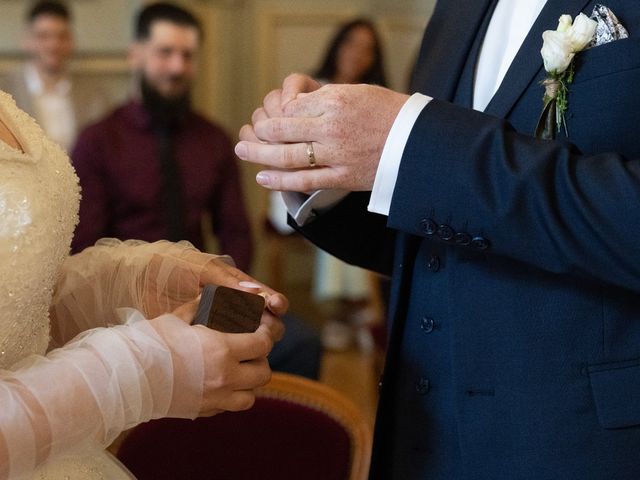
318,396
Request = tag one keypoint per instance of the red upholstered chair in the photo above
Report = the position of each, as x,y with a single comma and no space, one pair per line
298,429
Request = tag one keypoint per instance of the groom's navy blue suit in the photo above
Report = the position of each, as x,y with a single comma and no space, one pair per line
515,345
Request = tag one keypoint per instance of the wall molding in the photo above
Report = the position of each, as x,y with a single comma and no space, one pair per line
103,64
271,21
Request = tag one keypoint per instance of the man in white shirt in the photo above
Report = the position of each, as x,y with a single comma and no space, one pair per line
515,341
44,87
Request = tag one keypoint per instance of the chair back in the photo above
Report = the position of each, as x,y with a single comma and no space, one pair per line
297,429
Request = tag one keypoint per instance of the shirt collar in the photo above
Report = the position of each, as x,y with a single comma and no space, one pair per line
36,87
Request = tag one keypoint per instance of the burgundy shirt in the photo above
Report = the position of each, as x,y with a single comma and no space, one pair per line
120,174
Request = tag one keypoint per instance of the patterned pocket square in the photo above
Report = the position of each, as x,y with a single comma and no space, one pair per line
609,27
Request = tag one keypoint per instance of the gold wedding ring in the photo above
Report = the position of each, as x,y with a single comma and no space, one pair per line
311,155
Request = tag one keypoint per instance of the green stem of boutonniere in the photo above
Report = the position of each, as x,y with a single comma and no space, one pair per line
563,101
556,102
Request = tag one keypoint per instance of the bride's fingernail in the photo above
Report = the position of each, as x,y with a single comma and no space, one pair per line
241,151
263,179
249,285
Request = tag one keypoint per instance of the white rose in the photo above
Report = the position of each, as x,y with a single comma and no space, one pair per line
564,22
581,32
557,51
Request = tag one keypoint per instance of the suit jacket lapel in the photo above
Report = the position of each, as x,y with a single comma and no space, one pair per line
527,63
464,91
444,50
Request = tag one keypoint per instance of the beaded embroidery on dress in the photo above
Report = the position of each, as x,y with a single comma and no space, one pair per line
39,200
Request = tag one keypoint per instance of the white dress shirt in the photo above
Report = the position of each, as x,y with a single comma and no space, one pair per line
509,25
53,108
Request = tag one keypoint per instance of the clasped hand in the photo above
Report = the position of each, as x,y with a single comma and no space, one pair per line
348,125
210,371
234,364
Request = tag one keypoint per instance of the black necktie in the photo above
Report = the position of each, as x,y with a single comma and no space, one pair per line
172,188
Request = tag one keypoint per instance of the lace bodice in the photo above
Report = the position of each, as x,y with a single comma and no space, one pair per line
39,197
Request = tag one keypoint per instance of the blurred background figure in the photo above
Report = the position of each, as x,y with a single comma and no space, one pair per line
351,295
354,55
44,86
154,168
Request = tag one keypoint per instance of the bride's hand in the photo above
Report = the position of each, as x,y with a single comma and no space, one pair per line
235,365
154,278
274,325
220,273
187,311
232,365
188,271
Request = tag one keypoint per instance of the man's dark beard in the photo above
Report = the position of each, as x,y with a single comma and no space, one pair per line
164,112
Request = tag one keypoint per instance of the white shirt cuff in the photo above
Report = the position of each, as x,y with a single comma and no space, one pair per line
303,207
387,174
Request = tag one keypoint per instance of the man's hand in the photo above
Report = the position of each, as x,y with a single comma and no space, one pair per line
296,84
348,125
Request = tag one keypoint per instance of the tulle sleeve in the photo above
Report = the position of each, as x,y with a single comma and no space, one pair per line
104,381
122,369
153,278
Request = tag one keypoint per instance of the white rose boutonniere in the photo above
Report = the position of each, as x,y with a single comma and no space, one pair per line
558,49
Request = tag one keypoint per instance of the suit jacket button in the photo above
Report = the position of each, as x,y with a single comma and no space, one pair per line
433,263
428,226
462,238
480,243
422,386
427,324
445,232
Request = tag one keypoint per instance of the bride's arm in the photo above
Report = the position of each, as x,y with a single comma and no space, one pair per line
109,379
154,278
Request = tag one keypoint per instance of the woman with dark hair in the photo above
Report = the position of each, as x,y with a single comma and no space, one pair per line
354,55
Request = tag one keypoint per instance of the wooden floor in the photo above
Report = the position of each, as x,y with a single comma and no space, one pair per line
353,374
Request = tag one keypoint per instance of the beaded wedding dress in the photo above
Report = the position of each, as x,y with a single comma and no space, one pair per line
39,198
79,361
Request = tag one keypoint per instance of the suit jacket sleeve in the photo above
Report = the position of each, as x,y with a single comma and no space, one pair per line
539,202
351,233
